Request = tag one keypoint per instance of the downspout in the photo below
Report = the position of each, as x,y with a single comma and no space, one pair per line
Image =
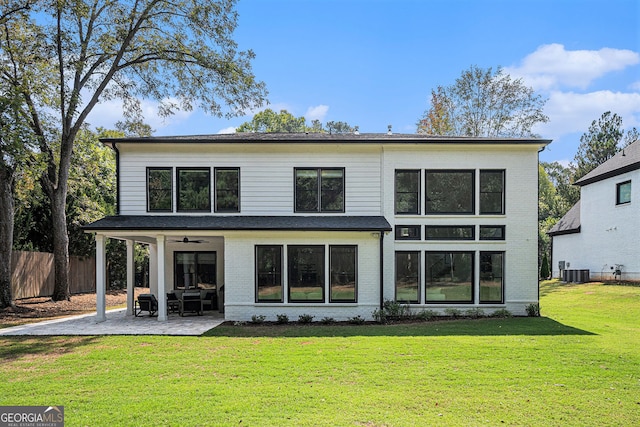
115,149
381,270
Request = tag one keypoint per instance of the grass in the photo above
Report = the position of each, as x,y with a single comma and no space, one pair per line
578,365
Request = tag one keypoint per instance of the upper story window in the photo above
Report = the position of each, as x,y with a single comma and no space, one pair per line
450,191
159,189
194,189
407,197
227,198
319,190
623,193
491,192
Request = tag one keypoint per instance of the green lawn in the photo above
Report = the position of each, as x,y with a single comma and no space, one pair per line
578,365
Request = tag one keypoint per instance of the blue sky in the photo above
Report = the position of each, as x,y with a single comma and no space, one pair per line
373,63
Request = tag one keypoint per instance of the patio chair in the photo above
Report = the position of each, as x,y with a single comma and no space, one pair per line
146,302
173,305
210,300
191,302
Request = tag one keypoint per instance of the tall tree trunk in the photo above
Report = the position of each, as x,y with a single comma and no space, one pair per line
60,243
6,235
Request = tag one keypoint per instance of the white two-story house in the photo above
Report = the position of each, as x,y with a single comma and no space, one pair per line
601,233
330,225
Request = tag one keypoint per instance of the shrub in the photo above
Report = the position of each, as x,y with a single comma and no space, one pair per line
305,318
503,312
394,309
257,319
357,320
379,316
453,312
282,318
426,315
533,310
475,313
327,320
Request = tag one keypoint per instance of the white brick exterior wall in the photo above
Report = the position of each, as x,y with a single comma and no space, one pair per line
609,234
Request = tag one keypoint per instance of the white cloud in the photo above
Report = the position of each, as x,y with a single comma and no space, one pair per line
106,114
230,129
551,66
573,112
318,112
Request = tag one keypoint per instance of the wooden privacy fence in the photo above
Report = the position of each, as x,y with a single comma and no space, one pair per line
32,274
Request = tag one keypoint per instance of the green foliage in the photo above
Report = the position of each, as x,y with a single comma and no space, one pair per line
258,319
356,320
268,121
391,310
545,272
475,313
426,315
454,313
503,313
305,318
327,320
483,102
282,319
533,310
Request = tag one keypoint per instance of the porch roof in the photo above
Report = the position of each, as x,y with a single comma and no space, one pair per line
239,222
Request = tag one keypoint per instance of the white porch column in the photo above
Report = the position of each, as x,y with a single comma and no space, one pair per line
101,279
162,293
153,268
130,276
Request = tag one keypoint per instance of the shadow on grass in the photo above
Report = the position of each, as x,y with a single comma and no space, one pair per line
12,348
465,327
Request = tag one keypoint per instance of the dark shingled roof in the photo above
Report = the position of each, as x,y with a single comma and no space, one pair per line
624,161
213,222
569,223
323,138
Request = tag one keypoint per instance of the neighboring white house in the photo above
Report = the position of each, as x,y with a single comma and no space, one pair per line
330,225
601,233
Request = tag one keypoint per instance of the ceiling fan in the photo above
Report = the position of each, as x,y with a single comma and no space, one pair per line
187,240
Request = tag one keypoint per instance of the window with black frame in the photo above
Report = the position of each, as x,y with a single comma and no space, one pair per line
343,267
449,232
449,192
623,193
227,197
492,192
269,273
194,189
407,192
449,277
319,189
408,276
491,277
195,270
159,189
306,273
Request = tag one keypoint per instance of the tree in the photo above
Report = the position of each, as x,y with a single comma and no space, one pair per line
179,53
483,103
268,121
601,142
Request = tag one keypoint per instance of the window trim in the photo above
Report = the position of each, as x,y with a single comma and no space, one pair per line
618,187
470,172
395,276
470,227
472,257
503,253
395,191
160,168
318,189
480,192
215,190
324,279
355,290
195,168
257,299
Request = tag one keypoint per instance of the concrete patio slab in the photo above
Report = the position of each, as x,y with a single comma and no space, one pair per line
118,323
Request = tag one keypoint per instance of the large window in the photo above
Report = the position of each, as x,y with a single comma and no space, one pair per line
449,232
194,190
449,192
269,274
491,277
227,190
408,276
449,277
623,193
492,192
159,189
195,270
407,197
492,232
306,273
319,190
343,269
